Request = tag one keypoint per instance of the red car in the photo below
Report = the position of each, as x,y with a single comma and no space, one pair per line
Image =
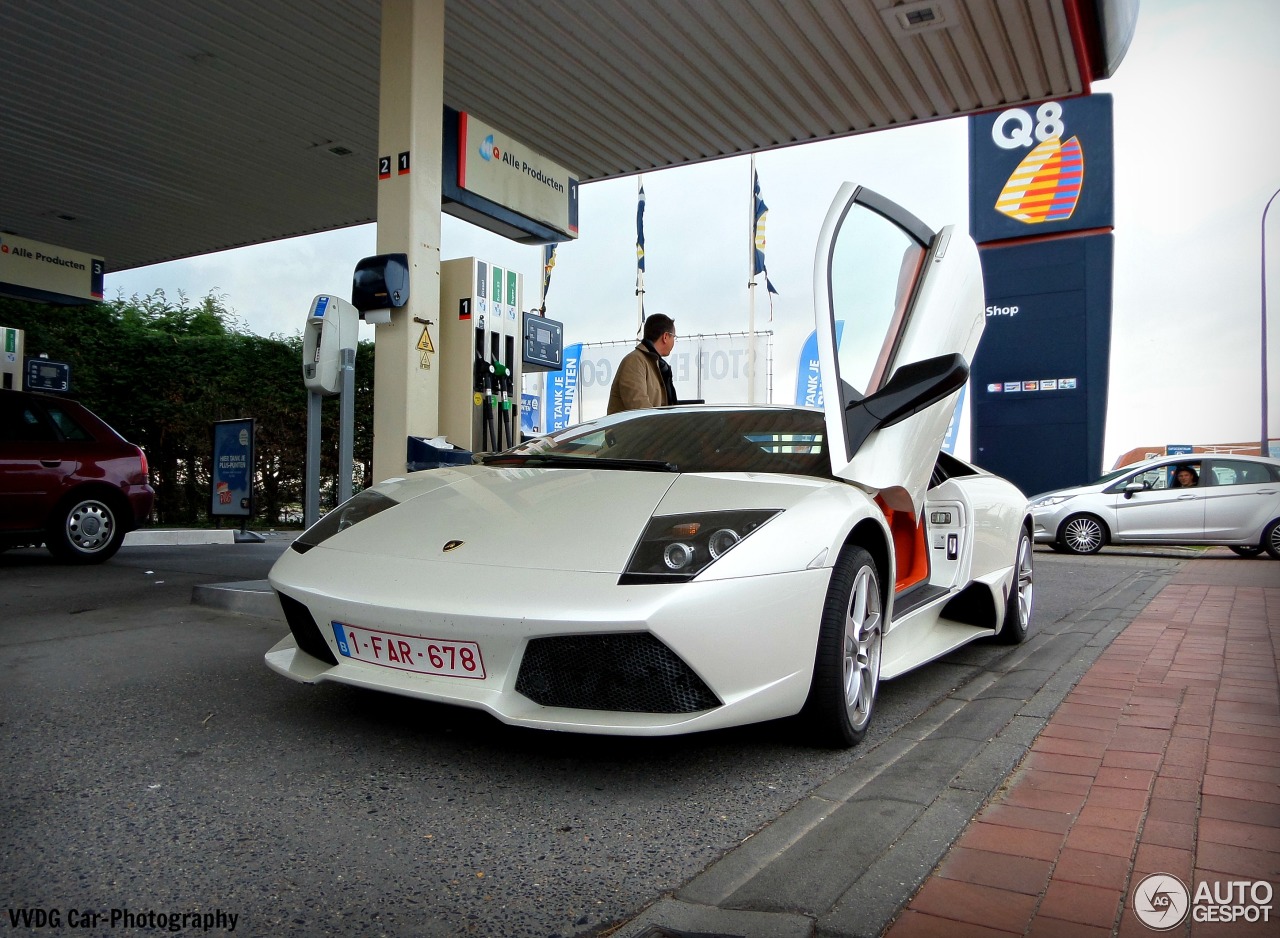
67,480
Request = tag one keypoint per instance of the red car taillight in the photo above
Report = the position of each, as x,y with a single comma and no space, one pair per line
143,458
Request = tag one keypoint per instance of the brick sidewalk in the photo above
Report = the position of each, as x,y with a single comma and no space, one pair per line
1165,758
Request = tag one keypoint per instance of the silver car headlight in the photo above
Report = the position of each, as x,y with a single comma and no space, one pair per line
676,548
354,510
1049,501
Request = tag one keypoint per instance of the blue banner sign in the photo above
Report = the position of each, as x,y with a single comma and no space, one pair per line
809,370
530,414
562,390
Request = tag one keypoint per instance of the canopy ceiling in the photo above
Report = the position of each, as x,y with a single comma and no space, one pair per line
148,130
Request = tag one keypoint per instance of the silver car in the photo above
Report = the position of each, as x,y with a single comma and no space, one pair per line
1198,498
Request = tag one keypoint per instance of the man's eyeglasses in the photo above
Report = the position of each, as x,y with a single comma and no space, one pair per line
672,334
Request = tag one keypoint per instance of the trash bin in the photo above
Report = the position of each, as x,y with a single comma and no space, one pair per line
422,454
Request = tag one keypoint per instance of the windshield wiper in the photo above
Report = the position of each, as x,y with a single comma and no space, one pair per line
578,462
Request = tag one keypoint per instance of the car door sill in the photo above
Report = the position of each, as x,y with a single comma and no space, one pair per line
917,597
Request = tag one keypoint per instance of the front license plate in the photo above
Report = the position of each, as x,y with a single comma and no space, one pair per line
410,652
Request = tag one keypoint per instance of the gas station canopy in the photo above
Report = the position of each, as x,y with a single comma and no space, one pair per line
157,129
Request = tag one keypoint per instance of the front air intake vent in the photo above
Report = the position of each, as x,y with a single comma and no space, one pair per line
631,672
305,631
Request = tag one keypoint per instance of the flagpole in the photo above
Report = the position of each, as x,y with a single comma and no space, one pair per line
751,289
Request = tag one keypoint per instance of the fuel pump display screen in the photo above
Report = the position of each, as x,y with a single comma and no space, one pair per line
543,344
45,375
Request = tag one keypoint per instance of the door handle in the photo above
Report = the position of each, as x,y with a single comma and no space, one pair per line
51,463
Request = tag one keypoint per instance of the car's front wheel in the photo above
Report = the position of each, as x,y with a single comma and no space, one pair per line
1251,550
85,530
1082,534
1017,611
846,669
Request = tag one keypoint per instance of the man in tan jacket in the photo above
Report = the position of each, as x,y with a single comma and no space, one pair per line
644,378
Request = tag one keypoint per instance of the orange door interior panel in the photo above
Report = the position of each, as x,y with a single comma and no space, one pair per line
908,546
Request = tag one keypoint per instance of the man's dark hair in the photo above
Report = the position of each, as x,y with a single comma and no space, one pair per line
658,324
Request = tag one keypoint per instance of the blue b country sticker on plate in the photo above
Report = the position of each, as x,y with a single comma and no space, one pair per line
342,639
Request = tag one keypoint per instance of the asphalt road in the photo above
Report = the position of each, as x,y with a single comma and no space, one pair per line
153,763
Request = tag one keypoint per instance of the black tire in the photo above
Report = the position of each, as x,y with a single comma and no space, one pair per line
1082,534
1017,609
846,668
1271,539
1252,550
85,529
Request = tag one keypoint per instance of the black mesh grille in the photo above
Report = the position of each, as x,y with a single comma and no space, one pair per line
631,672
305,631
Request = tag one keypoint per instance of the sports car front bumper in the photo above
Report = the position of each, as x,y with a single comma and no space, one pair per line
751,640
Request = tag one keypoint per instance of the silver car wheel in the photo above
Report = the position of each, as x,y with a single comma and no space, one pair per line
1019,603
1082,535
846,664
1026,586
863,635
90,526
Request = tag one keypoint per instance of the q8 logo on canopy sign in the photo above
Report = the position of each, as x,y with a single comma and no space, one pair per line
1046,185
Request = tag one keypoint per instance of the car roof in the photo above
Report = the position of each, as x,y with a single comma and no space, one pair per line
1196,457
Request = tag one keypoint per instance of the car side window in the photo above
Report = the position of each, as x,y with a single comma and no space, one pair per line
68,426
20,422
1238,472
1152,479
1155,478
874,269
1195,480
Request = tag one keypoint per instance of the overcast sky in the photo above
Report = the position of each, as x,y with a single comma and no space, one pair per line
1196,144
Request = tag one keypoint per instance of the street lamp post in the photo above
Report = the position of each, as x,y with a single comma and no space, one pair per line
1265,438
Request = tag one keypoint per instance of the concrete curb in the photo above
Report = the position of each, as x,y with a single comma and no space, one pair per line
168,537
250,597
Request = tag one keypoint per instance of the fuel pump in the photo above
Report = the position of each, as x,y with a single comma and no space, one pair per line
11,358
328,367
486,347
479,358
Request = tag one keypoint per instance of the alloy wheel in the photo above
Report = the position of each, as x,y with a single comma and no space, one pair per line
1026,586
863,635
1082,535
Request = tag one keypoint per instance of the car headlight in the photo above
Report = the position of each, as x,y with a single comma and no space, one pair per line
676,548
354,510
1049,501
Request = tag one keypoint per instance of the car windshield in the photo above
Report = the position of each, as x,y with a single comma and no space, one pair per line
688,440
1113,474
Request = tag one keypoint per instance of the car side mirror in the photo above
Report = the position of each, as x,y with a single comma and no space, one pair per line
912,388
1133,487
